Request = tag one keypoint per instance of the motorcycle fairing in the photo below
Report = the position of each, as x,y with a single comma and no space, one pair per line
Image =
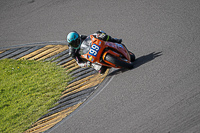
92,49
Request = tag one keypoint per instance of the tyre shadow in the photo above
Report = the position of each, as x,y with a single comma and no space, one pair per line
138,62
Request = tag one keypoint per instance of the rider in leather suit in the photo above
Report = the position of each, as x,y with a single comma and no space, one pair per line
75,40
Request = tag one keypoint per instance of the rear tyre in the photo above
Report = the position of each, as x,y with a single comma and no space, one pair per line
132,56
118,62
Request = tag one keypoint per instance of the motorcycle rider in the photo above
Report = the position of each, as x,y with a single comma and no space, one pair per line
75,40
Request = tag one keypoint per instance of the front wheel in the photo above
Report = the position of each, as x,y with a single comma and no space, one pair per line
118,62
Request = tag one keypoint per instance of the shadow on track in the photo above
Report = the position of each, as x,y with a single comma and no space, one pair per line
138,62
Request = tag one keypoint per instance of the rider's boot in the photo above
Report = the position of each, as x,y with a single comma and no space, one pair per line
118,40
115,40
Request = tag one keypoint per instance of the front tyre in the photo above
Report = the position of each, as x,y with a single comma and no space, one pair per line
117,62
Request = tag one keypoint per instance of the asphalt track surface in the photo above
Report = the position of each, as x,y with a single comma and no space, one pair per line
160,95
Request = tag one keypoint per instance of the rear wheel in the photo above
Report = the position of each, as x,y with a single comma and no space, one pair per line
118,62
132,56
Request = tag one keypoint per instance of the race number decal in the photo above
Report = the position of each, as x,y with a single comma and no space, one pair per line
94,50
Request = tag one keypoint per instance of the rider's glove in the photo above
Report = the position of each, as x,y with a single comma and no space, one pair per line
87,64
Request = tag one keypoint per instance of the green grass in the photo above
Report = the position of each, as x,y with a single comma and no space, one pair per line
27,90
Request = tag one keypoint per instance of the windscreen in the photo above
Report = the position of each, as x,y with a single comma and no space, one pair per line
85,46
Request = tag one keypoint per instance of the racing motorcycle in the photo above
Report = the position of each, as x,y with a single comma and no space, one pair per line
106,53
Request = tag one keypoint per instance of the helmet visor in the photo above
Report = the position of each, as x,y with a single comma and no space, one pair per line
75,43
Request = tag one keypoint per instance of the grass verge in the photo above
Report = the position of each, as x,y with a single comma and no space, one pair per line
27,90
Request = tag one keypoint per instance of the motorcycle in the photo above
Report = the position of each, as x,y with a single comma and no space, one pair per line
106,53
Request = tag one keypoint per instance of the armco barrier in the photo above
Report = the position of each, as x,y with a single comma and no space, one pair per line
86,80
